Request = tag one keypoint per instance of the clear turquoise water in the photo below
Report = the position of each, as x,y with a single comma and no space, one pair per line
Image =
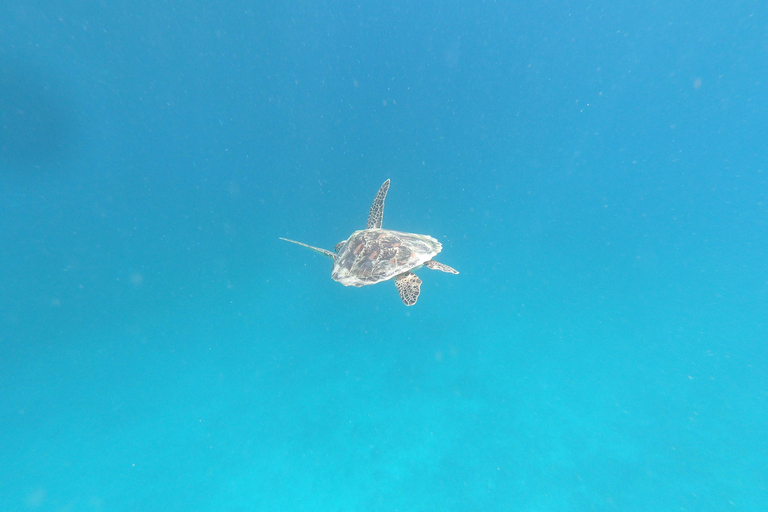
597,174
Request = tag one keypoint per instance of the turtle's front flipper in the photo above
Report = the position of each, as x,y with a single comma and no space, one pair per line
376,215
434,265
321,251
409,286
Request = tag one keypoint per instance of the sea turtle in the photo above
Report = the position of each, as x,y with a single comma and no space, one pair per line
373,254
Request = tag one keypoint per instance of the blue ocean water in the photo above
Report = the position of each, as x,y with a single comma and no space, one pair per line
597,172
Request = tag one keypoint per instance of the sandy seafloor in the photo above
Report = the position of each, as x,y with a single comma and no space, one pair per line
598,173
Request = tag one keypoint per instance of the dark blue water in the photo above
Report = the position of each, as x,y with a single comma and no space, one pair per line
597,172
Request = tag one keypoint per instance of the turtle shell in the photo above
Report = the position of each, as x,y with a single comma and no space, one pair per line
370,256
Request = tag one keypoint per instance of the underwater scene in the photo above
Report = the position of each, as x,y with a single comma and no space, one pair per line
536,276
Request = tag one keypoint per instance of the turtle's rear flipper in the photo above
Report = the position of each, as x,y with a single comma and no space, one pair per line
409,286
434,265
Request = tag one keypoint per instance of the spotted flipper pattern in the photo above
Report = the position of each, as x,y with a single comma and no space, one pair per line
376,215
409,286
